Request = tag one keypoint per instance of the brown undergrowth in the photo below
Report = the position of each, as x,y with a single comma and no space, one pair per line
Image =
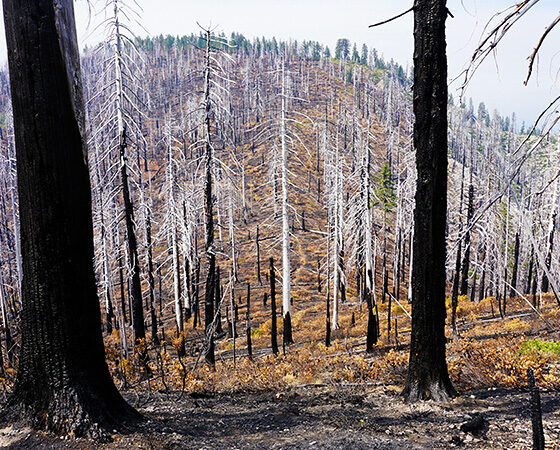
491,352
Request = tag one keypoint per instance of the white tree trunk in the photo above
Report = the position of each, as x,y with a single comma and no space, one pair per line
286,281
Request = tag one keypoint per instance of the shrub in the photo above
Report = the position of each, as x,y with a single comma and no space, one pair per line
550,348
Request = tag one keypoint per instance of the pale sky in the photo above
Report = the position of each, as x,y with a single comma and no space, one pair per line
327,20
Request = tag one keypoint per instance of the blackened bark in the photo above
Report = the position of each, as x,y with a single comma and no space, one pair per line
318,275
534,287
273,326
467,256
428,377
473,287
455,290
218,313
151,281
482,288
122,289
536,411
196,296
63,383
328,320
209,214
248,321
513,292
136,309
530,275
287,337
372,331
342,278
258,258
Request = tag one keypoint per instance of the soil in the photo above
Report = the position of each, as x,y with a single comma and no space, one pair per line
326,417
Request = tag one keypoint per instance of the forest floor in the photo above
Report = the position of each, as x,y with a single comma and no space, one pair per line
327,417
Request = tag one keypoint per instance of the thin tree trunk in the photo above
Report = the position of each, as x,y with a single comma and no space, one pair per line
466,257
248,320
258,258
209,215
273,326
513,292
151,281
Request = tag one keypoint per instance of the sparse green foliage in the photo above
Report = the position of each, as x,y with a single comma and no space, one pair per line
385,189
541,347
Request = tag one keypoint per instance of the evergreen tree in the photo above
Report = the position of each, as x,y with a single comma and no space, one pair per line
364,57
342,50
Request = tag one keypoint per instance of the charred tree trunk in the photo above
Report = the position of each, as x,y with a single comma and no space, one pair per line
536,411
248,320
273,326
372,332
63,383
530,274
328,320
218,313
122,289
258,258
513,291
318,275
137,311
428,377
151,281
467,256
455,291
209,214
534,287
196,296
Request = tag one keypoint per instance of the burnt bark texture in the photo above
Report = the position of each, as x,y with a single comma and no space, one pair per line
273,329
536,411
151,280
209,215
372,330
428,377
248,322
467,256
63,383
513,291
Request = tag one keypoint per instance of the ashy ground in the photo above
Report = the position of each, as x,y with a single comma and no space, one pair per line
325,417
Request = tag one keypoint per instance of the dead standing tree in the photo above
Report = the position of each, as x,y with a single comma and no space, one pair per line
428,377
117,124
211,102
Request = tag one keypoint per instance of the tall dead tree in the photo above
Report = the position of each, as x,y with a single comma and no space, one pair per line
209,207
286,276
117,124
428,377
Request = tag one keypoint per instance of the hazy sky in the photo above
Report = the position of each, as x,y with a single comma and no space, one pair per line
328,20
